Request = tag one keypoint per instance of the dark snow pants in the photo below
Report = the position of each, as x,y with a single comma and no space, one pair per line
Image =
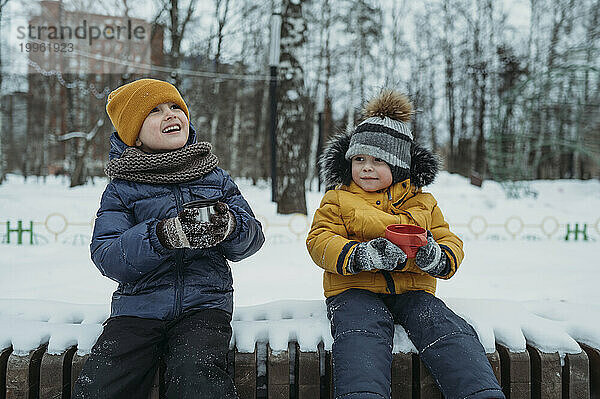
362,325
193,348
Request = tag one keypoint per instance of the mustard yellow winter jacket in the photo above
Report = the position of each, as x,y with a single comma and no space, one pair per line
349,215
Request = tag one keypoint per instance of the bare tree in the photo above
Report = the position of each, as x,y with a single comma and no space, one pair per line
82,145
362,24
292,129
221,13
320,88
422,83
450,83
177,21
489,94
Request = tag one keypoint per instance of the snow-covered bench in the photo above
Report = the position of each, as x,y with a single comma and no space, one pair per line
282,350
294,373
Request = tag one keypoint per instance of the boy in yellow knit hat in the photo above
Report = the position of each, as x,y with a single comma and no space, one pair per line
174,298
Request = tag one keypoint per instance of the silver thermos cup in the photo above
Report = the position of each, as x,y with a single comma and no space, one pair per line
206,207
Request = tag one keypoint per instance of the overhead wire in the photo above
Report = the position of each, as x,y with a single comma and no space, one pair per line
148,66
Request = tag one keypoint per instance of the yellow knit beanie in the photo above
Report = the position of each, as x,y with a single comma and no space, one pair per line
130,104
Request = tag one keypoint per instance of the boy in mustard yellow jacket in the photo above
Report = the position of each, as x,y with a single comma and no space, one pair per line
377,173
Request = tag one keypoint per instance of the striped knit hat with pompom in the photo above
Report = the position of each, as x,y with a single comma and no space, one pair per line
384,133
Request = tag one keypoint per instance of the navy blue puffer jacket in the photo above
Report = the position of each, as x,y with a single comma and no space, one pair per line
156,282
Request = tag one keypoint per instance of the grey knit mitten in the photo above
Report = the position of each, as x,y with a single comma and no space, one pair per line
184,231
430,257
378,253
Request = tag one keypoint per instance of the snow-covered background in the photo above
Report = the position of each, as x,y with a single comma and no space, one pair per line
520,281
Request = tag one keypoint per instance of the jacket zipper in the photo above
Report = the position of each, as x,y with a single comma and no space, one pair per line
389,200
389,280
178,258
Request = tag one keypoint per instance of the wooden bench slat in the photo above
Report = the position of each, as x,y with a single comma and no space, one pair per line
515,374
4,355
262,355
296,374
309,377
425,384
576,376
546,374
55,374
494,359
76,366
594,369
245,374
329,372
324,390
402,376
278,374
23,374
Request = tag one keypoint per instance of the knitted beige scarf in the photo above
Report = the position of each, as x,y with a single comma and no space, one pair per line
181,165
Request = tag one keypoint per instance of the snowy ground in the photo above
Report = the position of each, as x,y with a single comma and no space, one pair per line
520,282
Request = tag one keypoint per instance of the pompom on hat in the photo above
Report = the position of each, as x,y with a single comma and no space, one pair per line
384,133
129,105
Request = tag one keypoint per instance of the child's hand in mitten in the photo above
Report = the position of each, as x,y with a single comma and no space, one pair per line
430,257
184,231
379,253
223,217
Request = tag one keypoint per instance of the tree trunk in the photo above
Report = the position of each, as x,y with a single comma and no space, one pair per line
592,35
216,109
544,124
292,129
262,126
319,90
82,146
350,99
78,174
214,121
480,146
449,72
176,26
235,135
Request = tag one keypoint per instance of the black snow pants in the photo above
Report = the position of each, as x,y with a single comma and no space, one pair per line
126,356
362,325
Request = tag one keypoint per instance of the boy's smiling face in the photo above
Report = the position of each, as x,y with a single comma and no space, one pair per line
370,173
166,128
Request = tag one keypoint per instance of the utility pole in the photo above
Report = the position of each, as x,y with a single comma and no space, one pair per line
320,107
273,64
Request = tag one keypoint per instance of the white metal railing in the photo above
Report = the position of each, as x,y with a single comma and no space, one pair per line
56,227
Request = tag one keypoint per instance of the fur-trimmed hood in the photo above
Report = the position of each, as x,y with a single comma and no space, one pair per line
335,169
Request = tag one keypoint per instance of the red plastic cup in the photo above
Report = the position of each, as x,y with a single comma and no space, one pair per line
407,236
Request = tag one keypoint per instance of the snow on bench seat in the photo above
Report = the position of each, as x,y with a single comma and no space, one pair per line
283,348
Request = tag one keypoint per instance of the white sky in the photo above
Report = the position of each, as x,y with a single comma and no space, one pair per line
18,12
